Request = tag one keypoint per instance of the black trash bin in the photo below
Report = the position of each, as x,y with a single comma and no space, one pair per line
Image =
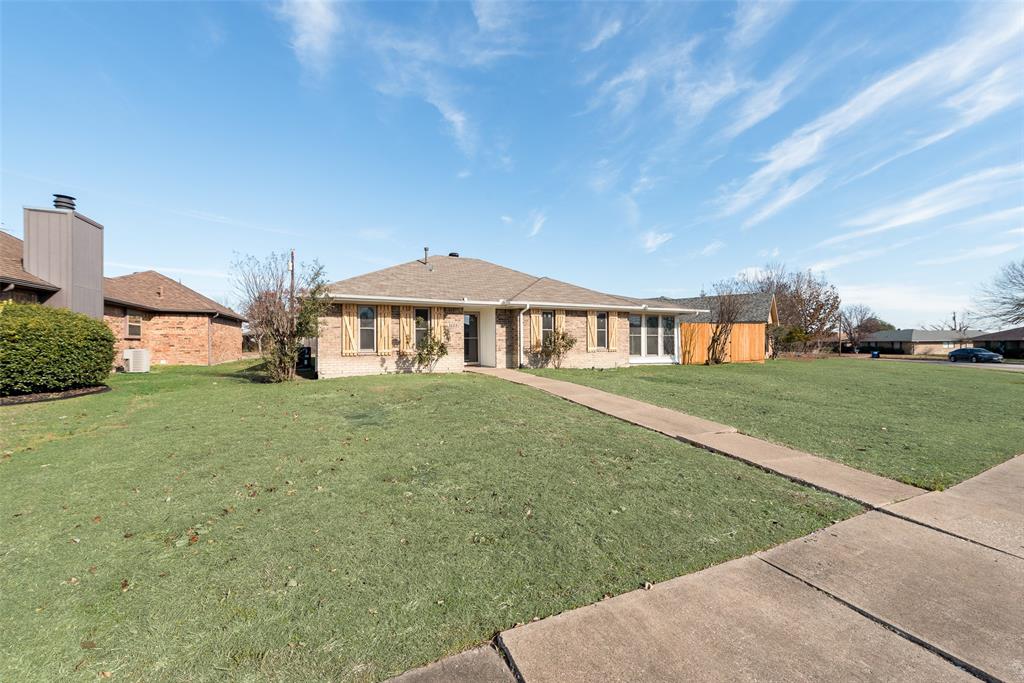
876,354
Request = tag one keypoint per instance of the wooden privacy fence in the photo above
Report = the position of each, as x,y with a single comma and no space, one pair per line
746,343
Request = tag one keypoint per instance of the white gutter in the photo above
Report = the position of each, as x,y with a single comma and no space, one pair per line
513,304
413,300
520,336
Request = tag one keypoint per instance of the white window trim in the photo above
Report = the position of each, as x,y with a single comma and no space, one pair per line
660,358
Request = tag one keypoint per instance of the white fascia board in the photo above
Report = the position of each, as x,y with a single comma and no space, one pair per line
412,300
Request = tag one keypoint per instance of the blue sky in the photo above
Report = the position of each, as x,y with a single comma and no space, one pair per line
633,148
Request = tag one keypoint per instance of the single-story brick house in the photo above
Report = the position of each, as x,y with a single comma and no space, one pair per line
60,264
1009,343
493,316
918,342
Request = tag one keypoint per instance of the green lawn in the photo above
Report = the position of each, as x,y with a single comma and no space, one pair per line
923,424
193,525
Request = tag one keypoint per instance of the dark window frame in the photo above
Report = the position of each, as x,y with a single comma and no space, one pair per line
602,317
372,320
547,331
421,332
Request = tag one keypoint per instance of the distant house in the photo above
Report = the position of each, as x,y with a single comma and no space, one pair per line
1010,343
918,342
749,341
60,264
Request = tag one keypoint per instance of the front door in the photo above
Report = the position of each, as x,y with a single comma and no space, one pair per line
471,337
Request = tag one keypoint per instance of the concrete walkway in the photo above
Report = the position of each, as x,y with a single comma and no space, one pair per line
875,597
863,487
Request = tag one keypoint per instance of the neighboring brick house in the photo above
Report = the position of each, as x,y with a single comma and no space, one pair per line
178,325
918,342
60,264
492,316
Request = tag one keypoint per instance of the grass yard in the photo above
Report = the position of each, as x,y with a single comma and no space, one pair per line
922,424
193,525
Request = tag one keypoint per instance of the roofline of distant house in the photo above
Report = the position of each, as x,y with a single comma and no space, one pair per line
144,307
506,302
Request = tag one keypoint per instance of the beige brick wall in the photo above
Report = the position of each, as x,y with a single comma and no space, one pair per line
576,325
177,338
330,362
506,321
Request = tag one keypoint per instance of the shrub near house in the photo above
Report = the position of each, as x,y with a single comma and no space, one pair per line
51,349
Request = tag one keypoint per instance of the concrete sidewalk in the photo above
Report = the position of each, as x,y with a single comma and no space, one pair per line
871,598
863,487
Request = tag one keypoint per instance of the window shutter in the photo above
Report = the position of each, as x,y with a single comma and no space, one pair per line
613,331
591,330
406,330
560,320
383,330
349,329
437,323
535,330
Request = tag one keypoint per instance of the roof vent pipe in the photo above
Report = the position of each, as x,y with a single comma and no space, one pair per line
454,254
63,201
426,251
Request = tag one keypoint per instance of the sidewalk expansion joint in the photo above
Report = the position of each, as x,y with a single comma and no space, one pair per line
934,649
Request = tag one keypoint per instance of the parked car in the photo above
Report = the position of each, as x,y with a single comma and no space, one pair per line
975,356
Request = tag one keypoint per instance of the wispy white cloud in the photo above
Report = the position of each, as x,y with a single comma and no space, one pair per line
712,248
463,174
653,240
227,220
753,19
991,40
905,298
174,270
496,15
665,67
507,220
986,251
858,256
764,99
608,30
786,196
314,26
1015,231
971,190
769,253
536,222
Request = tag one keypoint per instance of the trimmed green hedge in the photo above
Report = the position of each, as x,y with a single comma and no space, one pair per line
51,349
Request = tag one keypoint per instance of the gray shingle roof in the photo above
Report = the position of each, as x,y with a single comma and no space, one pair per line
754,308
457,279
1014,334
149,289
922,336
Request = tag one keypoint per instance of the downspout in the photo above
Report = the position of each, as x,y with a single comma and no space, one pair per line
520,335
209,338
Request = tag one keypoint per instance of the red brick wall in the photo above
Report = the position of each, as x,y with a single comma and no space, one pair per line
177,338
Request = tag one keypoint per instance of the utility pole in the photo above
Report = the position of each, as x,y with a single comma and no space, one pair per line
291,289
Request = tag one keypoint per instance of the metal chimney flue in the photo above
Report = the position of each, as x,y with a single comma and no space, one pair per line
426,252
63,201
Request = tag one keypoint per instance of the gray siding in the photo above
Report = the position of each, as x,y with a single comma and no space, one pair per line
66,249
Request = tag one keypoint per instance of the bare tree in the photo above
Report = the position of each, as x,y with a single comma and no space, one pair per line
283,307
808,304
725,313
1002,300
956,322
